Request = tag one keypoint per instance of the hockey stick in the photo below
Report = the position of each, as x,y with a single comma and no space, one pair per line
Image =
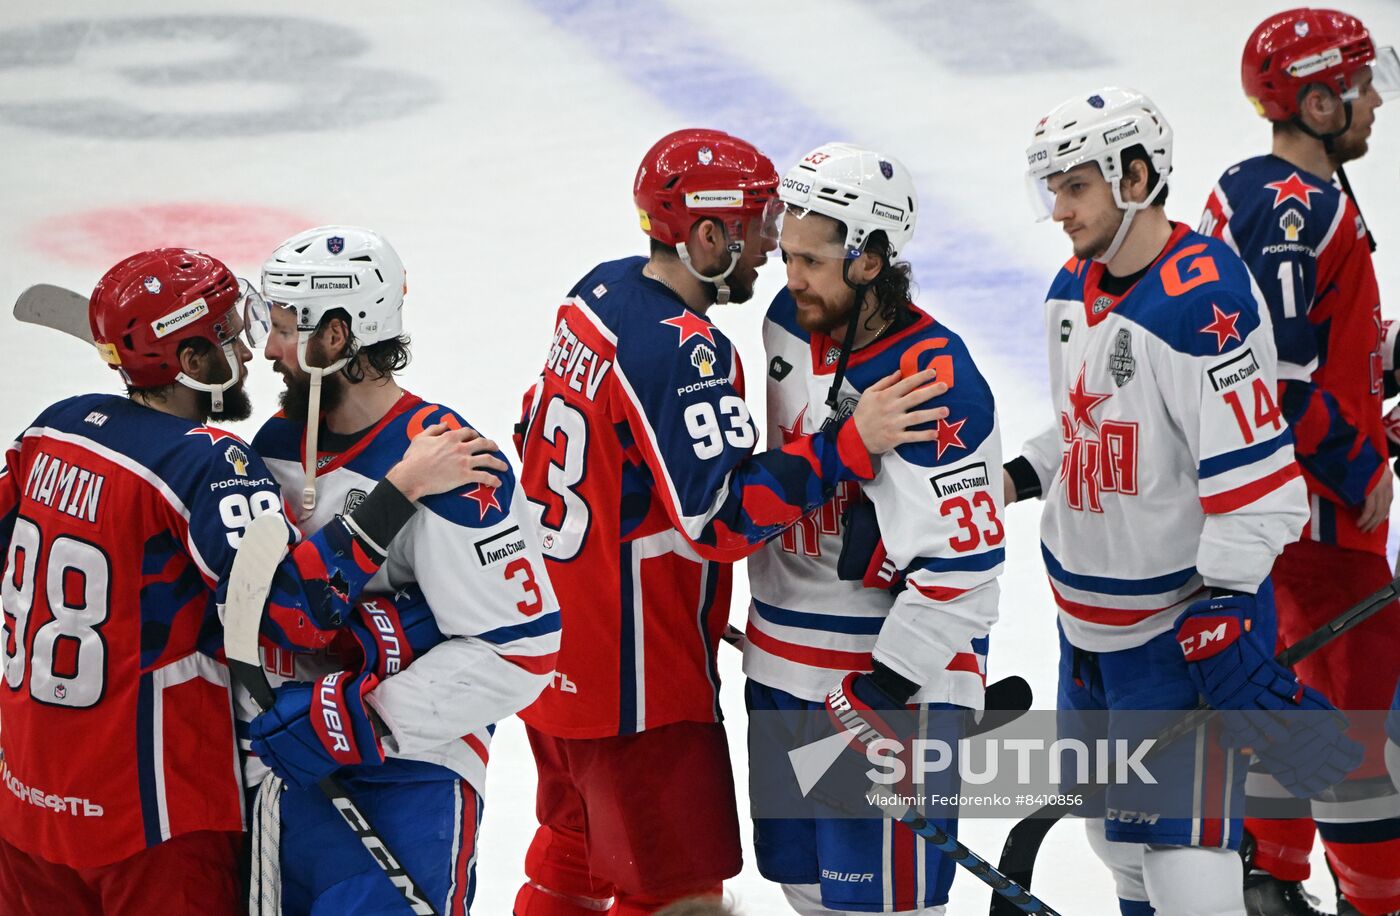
55,307
262,548
1023,842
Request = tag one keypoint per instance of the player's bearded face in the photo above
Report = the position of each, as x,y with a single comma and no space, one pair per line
281,348
742,278
1085,209
812,252
1354,143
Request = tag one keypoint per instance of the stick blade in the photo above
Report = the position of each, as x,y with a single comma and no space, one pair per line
263,546
55,307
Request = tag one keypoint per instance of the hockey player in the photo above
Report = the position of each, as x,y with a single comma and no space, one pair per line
637,451
461,630
1170,487
1316,76
120,518
844,322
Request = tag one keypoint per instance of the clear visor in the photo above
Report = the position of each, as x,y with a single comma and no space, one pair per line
806,233
1042,199
1385,75
253,311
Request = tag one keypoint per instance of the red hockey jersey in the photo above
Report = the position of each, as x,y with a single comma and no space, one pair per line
637,458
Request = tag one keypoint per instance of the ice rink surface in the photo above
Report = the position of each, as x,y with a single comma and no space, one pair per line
495,145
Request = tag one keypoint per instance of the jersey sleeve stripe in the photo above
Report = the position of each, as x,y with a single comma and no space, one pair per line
1239,497
540,626
534,664
939,592
1107,585
981,562
1220,464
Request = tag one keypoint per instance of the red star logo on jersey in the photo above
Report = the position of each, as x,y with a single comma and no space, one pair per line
947,435
690,325
1082,404
484,497
215,435
1293,188
1223,327
794,432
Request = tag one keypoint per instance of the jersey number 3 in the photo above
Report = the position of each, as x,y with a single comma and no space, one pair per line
68,665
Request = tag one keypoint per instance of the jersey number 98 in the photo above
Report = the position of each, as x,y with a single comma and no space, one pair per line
68,664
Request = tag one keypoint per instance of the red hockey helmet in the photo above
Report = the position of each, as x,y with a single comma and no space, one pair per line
695,174
1298,48
150,303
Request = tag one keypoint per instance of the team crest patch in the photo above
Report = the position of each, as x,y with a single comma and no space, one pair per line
1095,101
1102,304
886,169
352,501
238,459
705,155
703,359
779,368
1291,223
1121,364
833,353
335,244
152,285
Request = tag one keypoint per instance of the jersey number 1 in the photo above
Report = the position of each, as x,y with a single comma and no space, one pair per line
69,659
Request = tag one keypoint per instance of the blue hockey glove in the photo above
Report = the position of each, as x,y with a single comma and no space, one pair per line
1262,702
313,729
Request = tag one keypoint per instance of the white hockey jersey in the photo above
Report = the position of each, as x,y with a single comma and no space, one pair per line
1169,466
939,509
474,555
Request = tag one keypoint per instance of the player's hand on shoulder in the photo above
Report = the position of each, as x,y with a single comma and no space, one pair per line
891,410
441,458
311,730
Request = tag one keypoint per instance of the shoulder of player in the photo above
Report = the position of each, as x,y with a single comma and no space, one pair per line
927,342
1202,303
473,505
1069,281
279,438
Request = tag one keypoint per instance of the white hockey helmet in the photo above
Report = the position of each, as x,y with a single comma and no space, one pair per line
1099,128
343,267
863,189
335,267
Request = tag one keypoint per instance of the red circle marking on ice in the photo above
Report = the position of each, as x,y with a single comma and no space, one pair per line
238,234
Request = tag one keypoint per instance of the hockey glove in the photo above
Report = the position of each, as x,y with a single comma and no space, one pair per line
311,730
863,558
1234,670
387,632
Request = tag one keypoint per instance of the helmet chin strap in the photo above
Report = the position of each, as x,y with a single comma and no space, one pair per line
216,389
833,394
313,415
1329,146
1130,209
721,288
